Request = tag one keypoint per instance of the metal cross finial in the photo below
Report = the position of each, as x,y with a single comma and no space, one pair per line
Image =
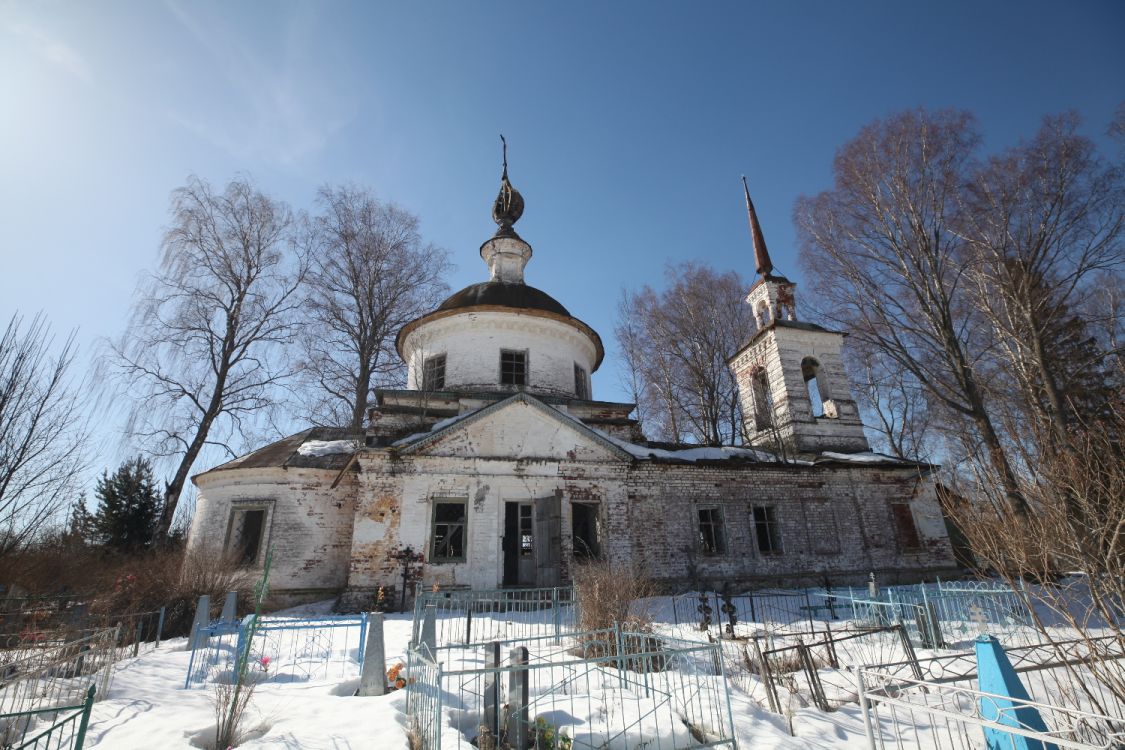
504,144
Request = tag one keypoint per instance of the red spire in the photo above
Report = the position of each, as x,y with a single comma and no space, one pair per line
762,261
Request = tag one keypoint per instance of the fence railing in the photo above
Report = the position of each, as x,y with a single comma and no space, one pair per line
595,689
284,649
59,728
904,714
467,617
49,676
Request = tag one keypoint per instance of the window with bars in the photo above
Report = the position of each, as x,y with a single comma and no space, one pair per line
448,531
905,529
767,530
712,539
581,382
513,367
433,373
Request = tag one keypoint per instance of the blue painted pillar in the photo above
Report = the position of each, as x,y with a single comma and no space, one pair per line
996,676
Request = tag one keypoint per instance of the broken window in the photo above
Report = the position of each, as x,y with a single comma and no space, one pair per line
448,531
763,400
245,532
513,367
712,540
527,531
905,529
584,531
433,373
581,382
767,530
810,371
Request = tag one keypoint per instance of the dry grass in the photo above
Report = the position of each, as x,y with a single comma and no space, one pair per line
608,596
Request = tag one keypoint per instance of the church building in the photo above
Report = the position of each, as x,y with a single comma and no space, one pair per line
497,467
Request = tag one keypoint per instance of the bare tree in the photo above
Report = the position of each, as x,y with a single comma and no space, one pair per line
883,247
1044,221
202,356
894,402
371,274
42,433
677,342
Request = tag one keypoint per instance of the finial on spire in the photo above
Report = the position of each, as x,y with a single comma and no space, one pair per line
762,261
508,207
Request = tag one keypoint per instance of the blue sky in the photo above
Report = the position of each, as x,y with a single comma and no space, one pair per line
629,123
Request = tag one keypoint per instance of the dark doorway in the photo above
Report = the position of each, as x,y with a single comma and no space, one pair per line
584,531
519,545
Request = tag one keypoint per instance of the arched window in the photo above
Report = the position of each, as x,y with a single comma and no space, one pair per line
762,313
810,371
763,399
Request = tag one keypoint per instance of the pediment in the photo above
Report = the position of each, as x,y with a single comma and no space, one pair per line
520,427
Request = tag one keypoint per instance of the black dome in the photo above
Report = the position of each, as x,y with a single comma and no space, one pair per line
504,294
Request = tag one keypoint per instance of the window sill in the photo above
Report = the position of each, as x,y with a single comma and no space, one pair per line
445,561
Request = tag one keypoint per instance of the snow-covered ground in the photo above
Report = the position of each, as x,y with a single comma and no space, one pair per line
148,707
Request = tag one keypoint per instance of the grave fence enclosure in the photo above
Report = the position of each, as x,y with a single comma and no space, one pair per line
56,728
1082,674
463,616
51,674
284,649
906,713
753,612
580,691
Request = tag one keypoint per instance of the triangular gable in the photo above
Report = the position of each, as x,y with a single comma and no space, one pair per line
517,427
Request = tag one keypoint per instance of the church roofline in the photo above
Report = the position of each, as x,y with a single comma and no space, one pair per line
285,453
416,442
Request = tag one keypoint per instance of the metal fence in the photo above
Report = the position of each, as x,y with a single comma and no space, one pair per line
590,690
905,713
49,675
756,612
1059,673
19,614
467,617
60,728
284,649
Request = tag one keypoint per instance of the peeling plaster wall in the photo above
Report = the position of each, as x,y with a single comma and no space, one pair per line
309,525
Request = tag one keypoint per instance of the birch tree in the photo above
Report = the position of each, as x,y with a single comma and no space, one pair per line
42,433
203,355
371,274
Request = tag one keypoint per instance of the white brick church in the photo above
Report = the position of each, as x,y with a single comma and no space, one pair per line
500,469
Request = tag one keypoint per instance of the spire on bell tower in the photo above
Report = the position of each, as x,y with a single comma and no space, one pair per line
762,263
505,252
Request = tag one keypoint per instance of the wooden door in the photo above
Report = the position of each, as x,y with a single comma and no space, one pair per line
548,533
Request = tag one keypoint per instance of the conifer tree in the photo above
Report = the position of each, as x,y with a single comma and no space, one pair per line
128,507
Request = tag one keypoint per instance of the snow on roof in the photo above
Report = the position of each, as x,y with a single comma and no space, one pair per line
863,458
327,447
691,455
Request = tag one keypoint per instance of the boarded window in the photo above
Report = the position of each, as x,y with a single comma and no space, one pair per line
905,530
767,530
712,539
581,382
244,535
513,367
433,373
448,531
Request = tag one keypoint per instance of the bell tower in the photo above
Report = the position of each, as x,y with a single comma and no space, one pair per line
792,384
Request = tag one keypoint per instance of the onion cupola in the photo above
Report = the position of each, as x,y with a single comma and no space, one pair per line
502,334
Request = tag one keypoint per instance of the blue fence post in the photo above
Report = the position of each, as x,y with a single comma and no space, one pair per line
160,627
243,649
995,675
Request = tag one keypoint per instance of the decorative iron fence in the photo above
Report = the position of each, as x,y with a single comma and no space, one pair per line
905,713
752,613
46,676
589,690
58,728
284,649
465,617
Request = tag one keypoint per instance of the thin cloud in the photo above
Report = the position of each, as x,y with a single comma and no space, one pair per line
54,51
281,113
